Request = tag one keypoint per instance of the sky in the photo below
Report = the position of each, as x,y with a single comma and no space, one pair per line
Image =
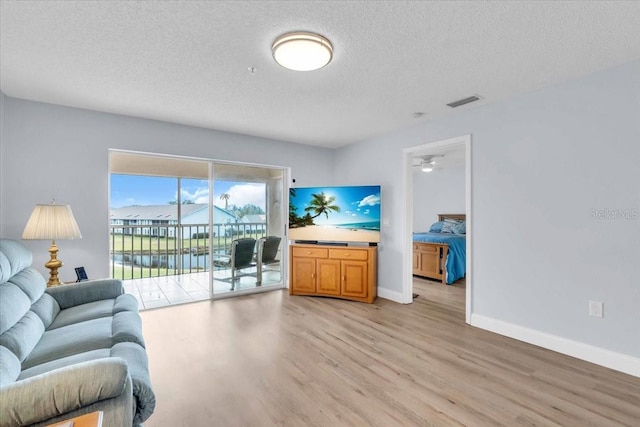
357,203
128,190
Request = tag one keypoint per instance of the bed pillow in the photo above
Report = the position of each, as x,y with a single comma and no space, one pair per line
448,225
436,227
460,228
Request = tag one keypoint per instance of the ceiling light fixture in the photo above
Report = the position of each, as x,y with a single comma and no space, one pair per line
302,51
428,162
427,165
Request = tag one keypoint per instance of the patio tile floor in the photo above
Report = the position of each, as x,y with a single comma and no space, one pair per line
154,292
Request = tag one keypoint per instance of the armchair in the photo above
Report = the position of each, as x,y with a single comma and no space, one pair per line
267,251
241,257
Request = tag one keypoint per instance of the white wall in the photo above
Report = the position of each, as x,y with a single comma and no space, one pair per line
58,152
436,192
2,155
541,162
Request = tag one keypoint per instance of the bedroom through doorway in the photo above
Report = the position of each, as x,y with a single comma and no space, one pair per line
438,220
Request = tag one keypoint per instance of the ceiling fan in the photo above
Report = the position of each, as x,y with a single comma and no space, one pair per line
427,162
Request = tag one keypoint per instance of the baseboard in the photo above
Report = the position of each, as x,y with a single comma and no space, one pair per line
390,295
609,359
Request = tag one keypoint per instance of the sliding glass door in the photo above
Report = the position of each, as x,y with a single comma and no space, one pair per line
248,227
183,230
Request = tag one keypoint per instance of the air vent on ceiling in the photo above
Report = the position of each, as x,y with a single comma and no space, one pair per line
464,101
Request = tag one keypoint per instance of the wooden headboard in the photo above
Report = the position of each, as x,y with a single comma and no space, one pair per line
459,217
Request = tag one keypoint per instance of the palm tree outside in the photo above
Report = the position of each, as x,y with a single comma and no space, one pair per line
225,197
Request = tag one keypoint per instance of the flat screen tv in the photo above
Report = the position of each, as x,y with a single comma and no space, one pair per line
335,214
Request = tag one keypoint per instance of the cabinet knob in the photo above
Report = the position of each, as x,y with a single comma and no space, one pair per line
347,254
309,252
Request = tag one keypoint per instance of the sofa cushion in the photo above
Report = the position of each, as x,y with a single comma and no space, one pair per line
23,336
13,305
82,313
127,327
125,302
31,282
20,287
9,366
64,361
14,257
47,309
94,310
5,267
135,356
84,336
69,340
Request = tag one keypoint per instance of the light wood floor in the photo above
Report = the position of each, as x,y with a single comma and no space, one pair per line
277,360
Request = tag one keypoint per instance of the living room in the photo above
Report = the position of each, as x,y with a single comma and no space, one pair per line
554,171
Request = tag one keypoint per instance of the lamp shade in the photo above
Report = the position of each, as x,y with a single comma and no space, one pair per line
51,222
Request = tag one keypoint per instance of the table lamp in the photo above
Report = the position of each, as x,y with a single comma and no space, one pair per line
52,222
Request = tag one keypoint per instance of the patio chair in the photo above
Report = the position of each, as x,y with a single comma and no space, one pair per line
267,251
242,253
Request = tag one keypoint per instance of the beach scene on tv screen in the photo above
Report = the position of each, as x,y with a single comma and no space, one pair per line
336,214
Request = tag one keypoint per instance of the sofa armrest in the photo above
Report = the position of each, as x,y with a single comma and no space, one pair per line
63,390
84,292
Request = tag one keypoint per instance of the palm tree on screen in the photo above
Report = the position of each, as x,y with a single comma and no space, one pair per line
321,204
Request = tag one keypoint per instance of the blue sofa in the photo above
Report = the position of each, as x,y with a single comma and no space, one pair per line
68,350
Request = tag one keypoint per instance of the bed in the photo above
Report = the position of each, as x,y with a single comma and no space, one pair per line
441,256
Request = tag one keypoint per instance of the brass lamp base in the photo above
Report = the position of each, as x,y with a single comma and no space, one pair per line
53,264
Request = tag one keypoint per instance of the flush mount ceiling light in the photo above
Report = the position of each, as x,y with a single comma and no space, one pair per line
302,51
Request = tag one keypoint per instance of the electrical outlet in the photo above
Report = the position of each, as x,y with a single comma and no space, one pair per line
596,308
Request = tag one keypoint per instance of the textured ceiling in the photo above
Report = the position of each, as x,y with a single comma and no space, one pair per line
187,62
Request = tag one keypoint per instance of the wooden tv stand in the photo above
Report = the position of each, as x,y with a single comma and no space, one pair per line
348,272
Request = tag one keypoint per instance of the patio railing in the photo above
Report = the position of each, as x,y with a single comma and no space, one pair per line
166,250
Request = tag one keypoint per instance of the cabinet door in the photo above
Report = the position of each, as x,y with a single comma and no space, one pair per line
303,271
416,260
355,280
328,277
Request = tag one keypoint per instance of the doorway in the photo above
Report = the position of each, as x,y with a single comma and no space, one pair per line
463,142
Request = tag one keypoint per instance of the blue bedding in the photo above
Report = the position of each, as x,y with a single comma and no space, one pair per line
457,259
